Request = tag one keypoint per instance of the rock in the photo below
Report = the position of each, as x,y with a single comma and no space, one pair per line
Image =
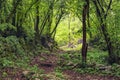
107,68
27,74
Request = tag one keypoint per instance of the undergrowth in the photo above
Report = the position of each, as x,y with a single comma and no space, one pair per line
96,63
16,54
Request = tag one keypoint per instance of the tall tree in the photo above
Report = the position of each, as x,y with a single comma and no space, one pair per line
84,19
36,27
102,14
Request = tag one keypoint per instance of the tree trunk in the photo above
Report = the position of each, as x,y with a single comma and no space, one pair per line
84,46
16,3
14,16
37,25
57,22
102,15
69,35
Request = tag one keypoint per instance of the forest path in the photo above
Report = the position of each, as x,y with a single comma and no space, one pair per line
49,65
44,61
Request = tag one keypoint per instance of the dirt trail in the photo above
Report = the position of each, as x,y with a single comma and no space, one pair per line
77,76
48,62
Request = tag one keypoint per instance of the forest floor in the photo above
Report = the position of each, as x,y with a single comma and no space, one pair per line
49,65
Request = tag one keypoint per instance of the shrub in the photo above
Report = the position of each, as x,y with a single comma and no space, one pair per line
7,29
10,48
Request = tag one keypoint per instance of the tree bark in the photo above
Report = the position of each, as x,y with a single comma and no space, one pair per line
37,25
84,46
102,15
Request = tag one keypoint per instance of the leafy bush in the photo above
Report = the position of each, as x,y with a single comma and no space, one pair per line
96,63
10,44
10,48
7,29
98,42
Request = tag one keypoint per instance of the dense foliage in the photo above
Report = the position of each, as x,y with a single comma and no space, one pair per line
28,27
